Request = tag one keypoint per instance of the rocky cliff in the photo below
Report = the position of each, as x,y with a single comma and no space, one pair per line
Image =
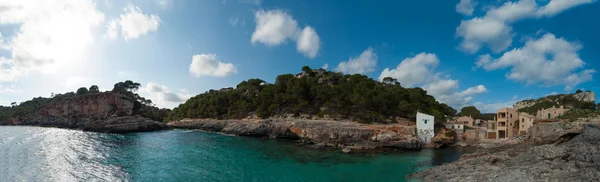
328,133
103,112
582,97
570,153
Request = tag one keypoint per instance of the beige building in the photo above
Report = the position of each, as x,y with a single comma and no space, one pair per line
459,127
492,131
551,113
466,120
525,122
506,122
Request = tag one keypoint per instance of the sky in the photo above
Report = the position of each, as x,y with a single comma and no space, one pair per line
464,52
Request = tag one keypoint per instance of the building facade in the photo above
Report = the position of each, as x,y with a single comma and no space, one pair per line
492,130
425,130
551,113
466,120
525,122
458,127
506,122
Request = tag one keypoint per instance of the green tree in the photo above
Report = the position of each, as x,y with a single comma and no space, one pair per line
470,111
598,106
13,104
94,89
390,80
578,91
306,69
82,91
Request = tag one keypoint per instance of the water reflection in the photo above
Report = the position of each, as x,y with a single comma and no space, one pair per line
48,154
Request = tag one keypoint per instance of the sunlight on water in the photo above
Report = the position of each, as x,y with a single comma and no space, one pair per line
50,154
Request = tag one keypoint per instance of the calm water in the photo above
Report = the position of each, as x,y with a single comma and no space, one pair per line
50,154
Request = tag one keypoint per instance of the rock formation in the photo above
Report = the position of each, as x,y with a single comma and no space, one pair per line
102,112
583,97
573,156
328,133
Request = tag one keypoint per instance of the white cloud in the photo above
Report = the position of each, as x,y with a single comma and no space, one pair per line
413,70
128,75
132,24
164,3
494,31
8,70
51,34
275,27
420,71
7,90
446,91
76,82
493,107
209,65
254,2
162,96
235,21
466,7
325,66
362,64
3,45
309,42
548,60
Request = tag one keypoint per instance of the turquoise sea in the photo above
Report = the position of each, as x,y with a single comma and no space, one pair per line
52,154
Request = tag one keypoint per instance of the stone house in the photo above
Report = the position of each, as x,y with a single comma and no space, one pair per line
551,113
506,122
425,130
492,130
457,126
525,122
466,120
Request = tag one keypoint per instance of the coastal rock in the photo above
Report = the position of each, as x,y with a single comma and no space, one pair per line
101,112
326,133
124,124
583,97
577,159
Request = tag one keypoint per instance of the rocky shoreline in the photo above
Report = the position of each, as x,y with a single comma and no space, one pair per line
347,135
567,153
117,124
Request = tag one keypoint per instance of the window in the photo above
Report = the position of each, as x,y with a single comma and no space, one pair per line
510,124
510,115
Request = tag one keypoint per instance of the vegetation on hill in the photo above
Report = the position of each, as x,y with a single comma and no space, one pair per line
567,100
314,92
142,106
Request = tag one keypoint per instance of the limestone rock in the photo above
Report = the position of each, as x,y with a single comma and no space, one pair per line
577,159
320,132
101,112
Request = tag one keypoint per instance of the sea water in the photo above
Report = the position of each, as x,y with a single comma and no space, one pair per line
52,154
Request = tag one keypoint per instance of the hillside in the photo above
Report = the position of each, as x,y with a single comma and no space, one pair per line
580,100
85,104
315,92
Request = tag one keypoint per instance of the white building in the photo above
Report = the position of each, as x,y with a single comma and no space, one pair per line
425,127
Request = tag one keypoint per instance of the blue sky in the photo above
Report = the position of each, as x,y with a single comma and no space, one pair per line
484,53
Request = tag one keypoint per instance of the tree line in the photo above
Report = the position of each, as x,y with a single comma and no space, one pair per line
315,92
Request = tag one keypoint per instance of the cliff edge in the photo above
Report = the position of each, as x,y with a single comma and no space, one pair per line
341,134
101,112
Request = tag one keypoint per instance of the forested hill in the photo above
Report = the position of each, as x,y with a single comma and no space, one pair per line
315,92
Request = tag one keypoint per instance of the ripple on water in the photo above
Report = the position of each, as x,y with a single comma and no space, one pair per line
49,154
